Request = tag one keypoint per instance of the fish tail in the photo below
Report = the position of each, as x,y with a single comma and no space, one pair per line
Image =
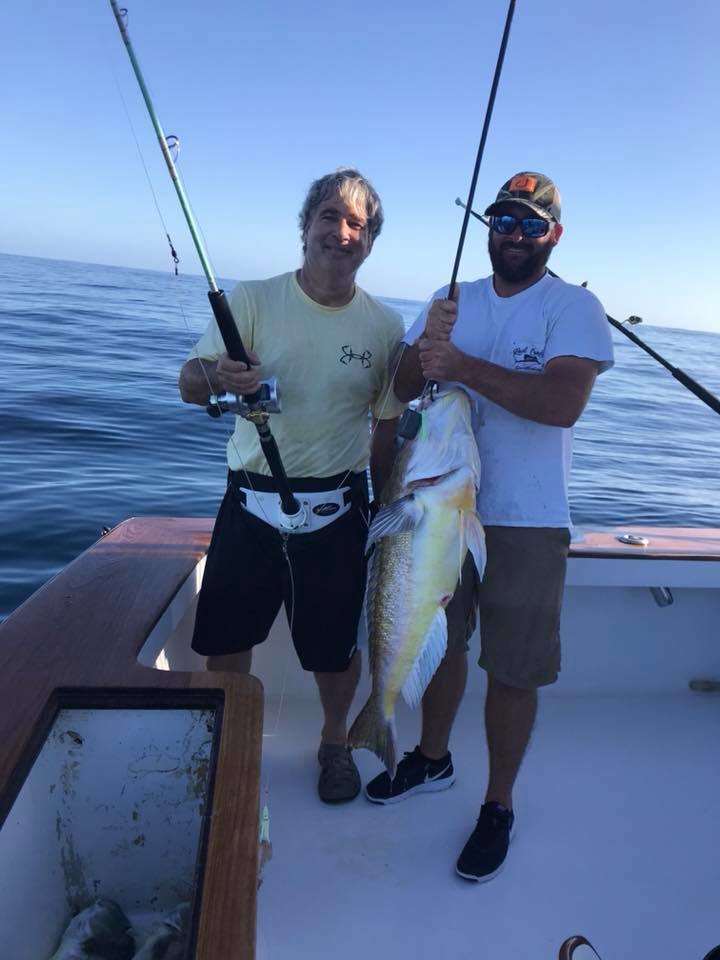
372,731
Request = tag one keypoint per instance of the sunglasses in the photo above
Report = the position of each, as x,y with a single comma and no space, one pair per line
530,226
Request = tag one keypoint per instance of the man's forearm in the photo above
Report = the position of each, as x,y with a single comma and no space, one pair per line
382,454
409,379
198,380
555,397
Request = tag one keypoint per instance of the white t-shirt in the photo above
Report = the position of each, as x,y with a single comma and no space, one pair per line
333,365
525,465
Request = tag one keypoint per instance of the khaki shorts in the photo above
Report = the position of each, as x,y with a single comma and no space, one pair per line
519,599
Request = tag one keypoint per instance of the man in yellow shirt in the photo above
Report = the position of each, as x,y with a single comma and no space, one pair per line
331,346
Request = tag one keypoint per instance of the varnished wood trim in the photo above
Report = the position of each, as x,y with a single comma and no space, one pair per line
79,636
664,543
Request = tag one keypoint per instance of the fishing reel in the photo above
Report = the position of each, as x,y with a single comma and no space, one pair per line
268,401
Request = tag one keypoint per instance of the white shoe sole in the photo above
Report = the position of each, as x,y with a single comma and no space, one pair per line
429,786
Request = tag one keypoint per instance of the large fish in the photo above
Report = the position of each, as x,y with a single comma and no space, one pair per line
421,538
99,932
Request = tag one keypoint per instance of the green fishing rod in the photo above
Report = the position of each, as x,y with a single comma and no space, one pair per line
253,407
411,419
692,385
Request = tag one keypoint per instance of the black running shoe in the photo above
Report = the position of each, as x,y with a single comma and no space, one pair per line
415,774
484,854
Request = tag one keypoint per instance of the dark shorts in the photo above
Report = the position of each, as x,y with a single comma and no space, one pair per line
520,600
321,581
461,612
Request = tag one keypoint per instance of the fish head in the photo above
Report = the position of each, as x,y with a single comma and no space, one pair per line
445,441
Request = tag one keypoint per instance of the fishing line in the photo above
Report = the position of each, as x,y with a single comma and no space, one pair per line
271,453
274,733
175,258
173,254
228,330
403,347
153,193
264,827
121,18
292,514
198,224
400,352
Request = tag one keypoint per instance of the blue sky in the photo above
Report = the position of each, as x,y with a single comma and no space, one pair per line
617,101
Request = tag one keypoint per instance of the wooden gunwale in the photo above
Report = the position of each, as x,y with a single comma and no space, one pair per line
81,633
664,543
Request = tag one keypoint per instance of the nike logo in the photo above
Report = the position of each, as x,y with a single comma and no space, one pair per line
444,770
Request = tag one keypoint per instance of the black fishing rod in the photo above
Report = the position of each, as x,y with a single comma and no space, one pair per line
411,419
481,148
692,385
253,407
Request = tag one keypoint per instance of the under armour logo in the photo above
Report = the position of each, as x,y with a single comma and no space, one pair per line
348,356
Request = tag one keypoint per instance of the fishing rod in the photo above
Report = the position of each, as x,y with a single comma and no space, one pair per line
692,385
254,407
481,148
411,419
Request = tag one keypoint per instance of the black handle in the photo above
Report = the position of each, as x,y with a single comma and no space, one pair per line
229,332
236,351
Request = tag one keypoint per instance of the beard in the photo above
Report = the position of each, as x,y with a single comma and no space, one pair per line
516,272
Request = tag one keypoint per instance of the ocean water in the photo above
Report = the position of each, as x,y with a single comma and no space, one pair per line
93,429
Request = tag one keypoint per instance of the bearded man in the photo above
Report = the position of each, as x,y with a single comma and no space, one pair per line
528,347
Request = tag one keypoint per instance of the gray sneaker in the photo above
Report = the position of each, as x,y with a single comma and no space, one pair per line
339,777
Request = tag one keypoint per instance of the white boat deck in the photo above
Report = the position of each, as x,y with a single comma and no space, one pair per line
618,825
617,838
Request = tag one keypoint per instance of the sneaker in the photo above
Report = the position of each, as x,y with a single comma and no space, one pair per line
484,854
415,774
339,777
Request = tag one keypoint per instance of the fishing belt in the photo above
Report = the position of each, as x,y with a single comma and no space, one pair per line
325,498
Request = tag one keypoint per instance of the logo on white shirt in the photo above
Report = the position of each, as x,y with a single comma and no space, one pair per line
528,356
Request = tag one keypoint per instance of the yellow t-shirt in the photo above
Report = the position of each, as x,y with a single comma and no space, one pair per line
333,366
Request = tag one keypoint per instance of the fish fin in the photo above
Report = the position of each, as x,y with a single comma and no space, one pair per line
428,660
475,539
398,517
372,731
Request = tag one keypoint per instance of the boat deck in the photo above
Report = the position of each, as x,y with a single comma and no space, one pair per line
616,804
617,839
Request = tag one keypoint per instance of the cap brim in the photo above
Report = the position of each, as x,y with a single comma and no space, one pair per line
495,208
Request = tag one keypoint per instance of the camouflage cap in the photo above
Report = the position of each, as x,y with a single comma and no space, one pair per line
532,190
